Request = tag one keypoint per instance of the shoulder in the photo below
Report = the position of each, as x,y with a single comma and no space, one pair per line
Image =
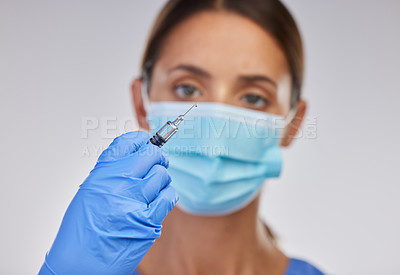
301,267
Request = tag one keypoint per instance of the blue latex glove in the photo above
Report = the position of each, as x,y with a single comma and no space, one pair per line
116,215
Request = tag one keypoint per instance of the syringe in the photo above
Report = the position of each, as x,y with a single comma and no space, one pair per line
168,130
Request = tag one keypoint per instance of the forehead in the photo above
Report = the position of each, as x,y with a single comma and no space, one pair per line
224,42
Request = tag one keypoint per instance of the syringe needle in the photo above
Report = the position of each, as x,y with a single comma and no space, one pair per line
194,105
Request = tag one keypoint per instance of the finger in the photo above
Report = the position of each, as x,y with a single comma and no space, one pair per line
163,204
132,167
139,163
155,180
124,145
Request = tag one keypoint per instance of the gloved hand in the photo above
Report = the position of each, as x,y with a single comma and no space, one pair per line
115,217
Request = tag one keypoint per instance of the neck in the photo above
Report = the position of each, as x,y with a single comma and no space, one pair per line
192,244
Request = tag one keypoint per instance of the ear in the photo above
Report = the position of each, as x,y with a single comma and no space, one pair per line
136,89
291,129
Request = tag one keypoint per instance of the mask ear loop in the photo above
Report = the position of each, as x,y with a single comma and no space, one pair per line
145,95
289,118
145,87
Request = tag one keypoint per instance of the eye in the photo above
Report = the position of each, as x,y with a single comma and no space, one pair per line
254,100
187,91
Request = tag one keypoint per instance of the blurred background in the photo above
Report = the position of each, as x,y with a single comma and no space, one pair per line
67,65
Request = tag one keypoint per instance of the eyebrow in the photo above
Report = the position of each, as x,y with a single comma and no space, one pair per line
192,69
203,73
257,78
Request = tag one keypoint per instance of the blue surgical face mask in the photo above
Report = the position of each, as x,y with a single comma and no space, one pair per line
221,155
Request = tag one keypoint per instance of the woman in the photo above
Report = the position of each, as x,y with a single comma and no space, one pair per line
242,61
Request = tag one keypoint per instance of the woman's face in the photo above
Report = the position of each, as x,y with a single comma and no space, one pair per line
221,57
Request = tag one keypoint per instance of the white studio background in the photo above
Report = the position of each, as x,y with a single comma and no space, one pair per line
337,203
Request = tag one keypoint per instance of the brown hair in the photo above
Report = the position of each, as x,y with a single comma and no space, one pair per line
271,15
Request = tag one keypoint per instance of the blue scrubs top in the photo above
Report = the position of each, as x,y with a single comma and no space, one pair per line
295,267
300,267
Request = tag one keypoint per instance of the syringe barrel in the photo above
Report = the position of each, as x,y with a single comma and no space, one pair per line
168,130
164,134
